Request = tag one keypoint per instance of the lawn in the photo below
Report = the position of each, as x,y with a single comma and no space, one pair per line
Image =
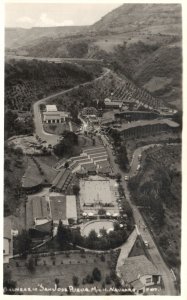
56,128
62,267
46,164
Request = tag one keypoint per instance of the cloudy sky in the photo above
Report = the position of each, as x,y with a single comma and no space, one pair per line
37,14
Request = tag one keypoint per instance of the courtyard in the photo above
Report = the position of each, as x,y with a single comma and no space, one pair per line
98,192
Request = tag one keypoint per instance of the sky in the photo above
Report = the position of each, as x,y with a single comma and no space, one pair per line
27,15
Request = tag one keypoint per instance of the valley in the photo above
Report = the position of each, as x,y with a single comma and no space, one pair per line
92,173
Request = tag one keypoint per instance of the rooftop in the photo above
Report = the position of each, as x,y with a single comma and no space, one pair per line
39,207
58,207
51,108
136,267
89,167
59,114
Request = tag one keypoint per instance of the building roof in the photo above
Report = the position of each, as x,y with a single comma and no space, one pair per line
113,103
44,227
62,178
100,158
103,164
82,172
51,108
55,114
137,284
94,151
58,207
136,267
39,207
89,167
105,170
92,148
94,155
147,123
71,207
7,228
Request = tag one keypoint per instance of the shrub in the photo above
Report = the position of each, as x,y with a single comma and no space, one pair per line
75,281
96,274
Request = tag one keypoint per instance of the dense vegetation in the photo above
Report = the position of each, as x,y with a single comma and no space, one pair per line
15,124
106,241
157,189
14,168
27,81
68,146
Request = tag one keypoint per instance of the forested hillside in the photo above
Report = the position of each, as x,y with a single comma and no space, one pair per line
27,81
140,41
157,190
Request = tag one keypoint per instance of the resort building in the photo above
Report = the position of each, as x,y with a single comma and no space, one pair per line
52,115
55,117
113,104
50,108
140,273
52,207
62,181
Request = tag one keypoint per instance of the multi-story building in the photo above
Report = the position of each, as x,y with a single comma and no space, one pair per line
52,115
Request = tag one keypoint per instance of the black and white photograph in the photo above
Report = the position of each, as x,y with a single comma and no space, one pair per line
93,119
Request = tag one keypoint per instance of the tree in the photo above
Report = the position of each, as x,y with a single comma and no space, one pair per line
108,279
24,242
63,234
8,284
66,165
76,189
31,265
101,211
75,280
92,235
118,176
57,281
96,274
7,164
89,279
122,157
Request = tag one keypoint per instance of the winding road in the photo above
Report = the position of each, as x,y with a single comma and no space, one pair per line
168,280
169,287
52,138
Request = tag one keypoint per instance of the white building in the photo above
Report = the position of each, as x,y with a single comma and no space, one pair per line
50,108
7,241
52,115
140,273
55,117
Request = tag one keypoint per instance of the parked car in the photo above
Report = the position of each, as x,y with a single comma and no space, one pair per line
126,178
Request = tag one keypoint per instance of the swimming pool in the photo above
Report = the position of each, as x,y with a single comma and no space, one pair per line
97,226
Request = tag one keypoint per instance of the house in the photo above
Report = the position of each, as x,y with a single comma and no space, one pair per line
50,117
63,208
62,181
7,241
140,273
113,104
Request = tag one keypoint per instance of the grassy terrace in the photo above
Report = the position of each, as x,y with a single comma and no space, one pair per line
63,267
